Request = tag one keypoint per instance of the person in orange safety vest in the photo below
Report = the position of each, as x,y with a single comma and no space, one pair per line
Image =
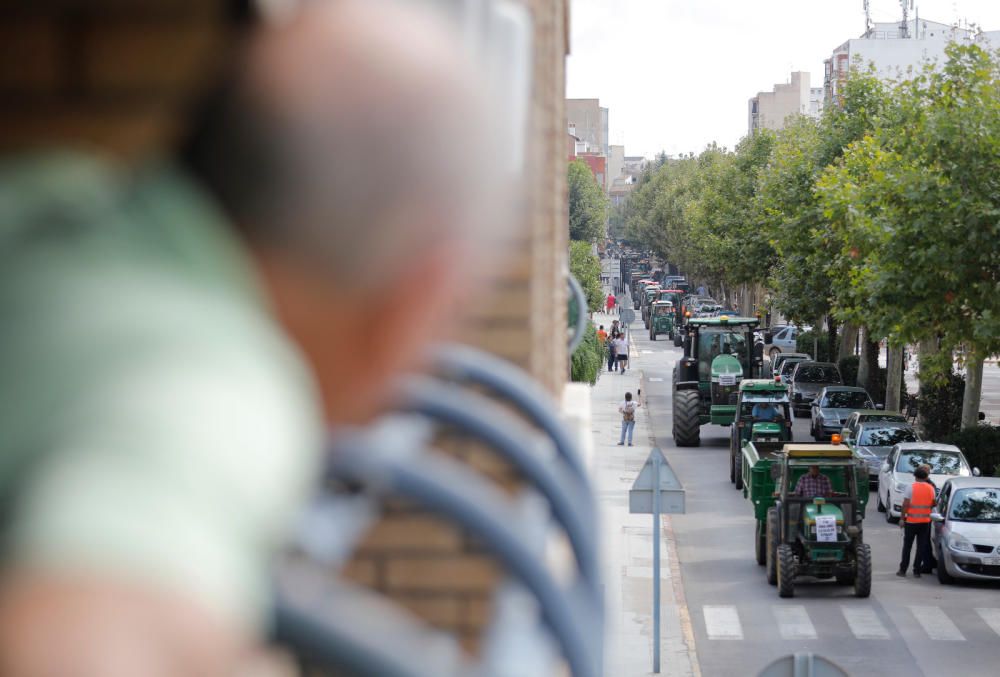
918,500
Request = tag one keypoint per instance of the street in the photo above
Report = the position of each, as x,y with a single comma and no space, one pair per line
907,627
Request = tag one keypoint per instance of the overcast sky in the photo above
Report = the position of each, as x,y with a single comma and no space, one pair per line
677,74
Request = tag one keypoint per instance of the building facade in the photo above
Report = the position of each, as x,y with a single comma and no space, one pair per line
770,110
896,48
590,121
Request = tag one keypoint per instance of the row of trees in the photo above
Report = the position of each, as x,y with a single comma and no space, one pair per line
883,215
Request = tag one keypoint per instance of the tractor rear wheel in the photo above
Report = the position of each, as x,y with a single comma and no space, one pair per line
733,442
771,543
863,570
786,571
738,467
760,543
687,413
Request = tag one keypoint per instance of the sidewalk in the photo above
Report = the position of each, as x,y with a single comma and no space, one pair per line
627,542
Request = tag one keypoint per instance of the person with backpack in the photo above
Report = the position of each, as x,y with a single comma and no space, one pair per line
627,410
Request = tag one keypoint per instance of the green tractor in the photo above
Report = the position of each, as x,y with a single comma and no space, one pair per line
718,354
661,319
754,396
820,536
649,295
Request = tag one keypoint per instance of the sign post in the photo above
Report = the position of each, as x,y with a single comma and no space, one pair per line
656,490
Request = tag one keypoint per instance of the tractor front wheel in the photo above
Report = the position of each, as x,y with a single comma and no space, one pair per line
760,543
652,335
678,341
771,543
786,571
863,570
687,413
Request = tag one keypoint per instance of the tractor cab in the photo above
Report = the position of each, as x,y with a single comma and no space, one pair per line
763,416
661,319
718,356
818,534
646,301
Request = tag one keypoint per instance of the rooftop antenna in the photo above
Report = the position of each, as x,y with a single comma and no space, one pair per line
904,26
868,18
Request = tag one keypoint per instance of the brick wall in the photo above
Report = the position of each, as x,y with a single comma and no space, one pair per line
113,74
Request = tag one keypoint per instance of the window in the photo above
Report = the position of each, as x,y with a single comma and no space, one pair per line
976,505
817,374
887,437
941,462
847,400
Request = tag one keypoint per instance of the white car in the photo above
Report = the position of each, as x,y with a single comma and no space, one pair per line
966,532
783,340
945,460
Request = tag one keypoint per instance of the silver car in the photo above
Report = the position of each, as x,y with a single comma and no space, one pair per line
832,407
875,440
966,532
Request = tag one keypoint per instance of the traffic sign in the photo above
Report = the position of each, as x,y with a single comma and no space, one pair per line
640,497
628,316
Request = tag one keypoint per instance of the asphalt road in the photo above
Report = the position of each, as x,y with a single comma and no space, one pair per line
907,627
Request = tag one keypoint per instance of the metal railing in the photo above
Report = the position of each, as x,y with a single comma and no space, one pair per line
393,461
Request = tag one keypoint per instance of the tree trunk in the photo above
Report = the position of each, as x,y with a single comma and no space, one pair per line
864,365
831,338
894,378
973,391
848,338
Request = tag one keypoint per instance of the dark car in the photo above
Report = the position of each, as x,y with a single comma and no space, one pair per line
785,365
833,406
808,380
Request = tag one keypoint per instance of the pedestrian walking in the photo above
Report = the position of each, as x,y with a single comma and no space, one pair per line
621,353
602,335
918,499
627,410
610,304
612,357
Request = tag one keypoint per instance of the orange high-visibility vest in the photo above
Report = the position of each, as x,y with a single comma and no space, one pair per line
920,503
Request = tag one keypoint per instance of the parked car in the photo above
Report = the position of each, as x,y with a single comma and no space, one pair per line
966,532
945,460
806,382
854,421
874,441
787,358
830,409
781,339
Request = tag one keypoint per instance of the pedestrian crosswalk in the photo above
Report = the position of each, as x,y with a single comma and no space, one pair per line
799,623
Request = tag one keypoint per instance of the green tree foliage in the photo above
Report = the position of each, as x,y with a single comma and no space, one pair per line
588,359
587,203
586,268
916,205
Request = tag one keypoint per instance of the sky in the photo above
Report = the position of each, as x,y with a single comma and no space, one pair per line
677,74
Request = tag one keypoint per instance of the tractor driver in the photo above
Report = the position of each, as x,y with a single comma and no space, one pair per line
766,411
813,484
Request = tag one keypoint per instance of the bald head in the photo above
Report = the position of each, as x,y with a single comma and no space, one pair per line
351,137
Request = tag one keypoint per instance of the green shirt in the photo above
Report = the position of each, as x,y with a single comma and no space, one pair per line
155,423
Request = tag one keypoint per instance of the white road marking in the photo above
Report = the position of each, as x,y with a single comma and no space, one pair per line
793,622
991,617
864,623
654,379
646,352
936,624
722,622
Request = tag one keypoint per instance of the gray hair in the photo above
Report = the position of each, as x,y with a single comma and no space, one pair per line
353,138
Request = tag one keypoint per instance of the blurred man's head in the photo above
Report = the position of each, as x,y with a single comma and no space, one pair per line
814,470
349,149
